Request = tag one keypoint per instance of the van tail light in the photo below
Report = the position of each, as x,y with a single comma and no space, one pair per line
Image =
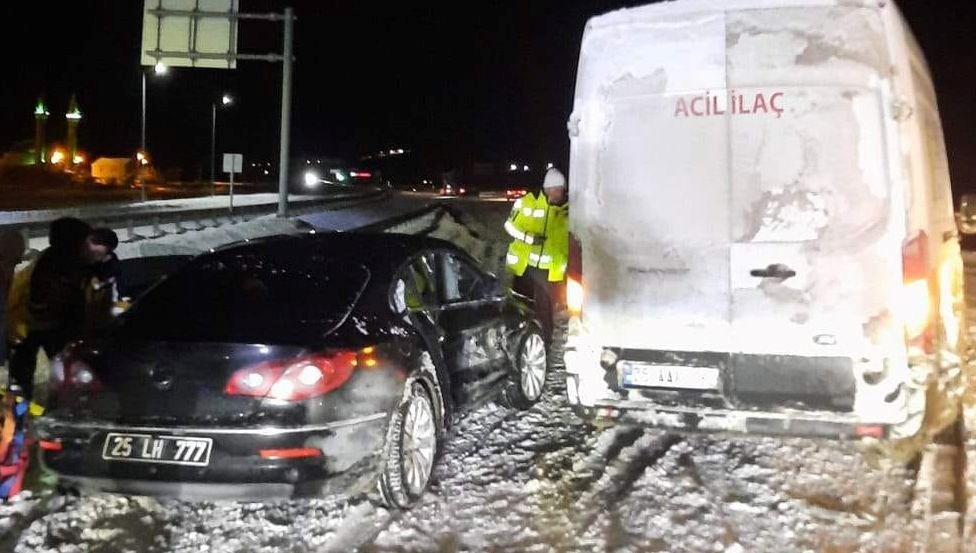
915,257
916,302
298,379
574,277
574,296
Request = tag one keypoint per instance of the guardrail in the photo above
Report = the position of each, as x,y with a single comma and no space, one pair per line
150,222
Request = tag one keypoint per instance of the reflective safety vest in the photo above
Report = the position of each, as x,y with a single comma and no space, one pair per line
18,299
540,233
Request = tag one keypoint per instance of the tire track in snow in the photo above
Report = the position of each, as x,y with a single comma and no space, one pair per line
460,442
620,475
360,527
17,517
686,461
608,447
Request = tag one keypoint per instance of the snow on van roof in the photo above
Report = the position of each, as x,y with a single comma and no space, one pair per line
679,7
689,45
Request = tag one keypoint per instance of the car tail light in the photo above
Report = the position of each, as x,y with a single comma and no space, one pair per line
292,453
916,298
74,375
50,445
299,379
574,277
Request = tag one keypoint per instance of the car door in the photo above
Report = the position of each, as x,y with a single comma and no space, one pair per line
471,317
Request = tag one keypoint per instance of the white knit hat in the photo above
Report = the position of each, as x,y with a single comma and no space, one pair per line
554,179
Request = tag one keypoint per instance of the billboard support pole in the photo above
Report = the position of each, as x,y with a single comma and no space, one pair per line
192,54
285,112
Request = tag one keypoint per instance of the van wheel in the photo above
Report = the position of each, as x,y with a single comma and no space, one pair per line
527,382
408,457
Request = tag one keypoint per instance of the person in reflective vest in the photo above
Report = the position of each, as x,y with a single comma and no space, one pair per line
537,255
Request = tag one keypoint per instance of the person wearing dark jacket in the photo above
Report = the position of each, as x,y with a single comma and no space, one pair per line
101,286
56,304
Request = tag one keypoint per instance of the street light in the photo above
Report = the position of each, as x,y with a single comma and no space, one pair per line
158,69
225,100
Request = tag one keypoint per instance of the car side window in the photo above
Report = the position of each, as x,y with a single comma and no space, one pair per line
415,286
461,281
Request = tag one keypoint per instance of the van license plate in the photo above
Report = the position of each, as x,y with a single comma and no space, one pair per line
145,448
645,375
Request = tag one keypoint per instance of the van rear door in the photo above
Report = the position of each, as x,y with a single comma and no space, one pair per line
650,194
738,210
815,263
815,258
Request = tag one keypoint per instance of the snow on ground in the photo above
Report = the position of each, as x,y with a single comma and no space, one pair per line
542,480
538,480
199,241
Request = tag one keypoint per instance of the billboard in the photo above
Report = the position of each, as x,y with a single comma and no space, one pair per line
186,37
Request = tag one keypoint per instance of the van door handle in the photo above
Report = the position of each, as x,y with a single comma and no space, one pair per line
777,270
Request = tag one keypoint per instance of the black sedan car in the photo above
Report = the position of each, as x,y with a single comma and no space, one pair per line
290,366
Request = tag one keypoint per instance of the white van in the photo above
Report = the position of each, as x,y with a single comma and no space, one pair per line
763,233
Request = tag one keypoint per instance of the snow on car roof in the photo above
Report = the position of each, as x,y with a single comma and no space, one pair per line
388,246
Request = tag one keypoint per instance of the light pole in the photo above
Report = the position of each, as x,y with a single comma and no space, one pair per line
158,69
225,100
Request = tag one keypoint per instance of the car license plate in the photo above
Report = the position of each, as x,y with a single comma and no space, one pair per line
145,448
668,376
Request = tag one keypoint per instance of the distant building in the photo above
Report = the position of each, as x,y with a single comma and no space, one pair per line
113,170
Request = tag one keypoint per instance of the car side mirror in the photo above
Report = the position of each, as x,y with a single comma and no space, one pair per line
967,214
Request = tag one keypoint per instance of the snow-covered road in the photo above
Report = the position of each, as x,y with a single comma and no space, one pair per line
543,481
539,480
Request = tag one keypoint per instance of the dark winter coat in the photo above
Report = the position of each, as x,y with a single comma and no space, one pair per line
57,299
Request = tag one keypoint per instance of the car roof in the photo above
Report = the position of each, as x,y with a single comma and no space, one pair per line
371,249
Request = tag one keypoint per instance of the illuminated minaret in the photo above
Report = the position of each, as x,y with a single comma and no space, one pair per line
74,117
40,125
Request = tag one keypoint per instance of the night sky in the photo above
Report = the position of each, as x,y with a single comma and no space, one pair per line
492,80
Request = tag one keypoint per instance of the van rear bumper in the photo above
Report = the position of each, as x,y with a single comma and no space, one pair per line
595,392
801,424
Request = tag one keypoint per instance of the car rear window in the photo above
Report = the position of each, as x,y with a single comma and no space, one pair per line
249,298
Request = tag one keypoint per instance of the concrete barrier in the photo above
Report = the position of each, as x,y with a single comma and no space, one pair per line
146,221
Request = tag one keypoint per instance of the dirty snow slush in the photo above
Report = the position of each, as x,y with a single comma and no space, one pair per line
536,480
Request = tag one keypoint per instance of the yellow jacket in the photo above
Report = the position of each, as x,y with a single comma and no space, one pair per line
540,233
18,301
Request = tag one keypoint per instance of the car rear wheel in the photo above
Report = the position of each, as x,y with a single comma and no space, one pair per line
410,450
526,384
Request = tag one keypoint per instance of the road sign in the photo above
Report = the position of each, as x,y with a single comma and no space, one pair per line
233,163
183,37
200,51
